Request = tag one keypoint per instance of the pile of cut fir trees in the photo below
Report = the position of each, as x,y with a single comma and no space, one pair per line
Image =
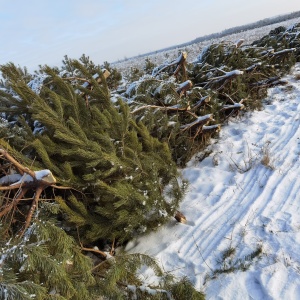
84,170
79,177
184,104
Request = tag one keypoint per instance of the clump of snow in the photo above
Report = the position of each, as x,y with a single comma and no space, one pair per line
9,179
39,175
37,82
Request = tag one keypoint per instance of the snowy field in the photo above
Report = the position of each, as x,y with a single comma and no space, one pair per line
242,238
195,49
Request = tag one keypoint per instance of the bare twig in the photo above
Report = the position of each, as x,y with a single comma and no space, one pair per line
201,254
20,167
93,250
37,181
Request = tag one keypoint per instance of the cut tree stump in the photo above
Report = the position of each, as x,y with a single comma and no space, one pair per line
180,217
199,122
179,62
184,87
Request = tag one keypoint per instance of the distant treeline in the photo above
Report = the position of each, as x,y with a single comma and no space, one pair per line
233,30
237,29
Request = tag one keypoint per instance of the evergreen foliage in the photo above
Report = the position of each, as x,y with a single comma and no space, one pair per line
149,66
118,160
101,150
115,77
123,182
117,286
133,74
225,79
69,67
44,264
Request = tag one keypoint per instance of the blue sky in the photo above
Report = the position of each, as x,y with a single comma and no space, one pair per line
37,32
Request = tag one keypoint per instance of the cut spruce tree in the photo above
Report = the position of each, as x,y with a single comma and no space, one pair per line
109,181
80,166
184,104
123,180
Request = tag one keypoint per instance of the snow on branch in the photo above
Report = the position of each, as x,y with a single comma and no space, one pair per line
227,75
282,52
202,101
173,108
184,87
272,81
178,62
199,122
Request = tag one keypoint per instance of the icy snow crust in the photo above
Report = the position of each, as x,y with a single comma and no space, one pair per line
238,199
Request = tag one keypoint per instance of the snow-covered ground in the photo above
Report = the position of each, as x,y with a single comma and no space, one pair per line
242,238
193,50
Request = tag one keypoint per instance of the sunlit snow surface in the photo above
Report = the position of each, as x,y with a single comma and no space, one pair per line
194,50
236,200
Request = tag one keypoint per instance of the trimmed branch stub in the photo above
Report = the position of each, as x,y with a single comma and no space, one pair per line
21,179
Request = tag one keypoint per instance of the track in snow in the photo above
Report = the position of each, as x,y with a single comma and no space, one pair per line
231,206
